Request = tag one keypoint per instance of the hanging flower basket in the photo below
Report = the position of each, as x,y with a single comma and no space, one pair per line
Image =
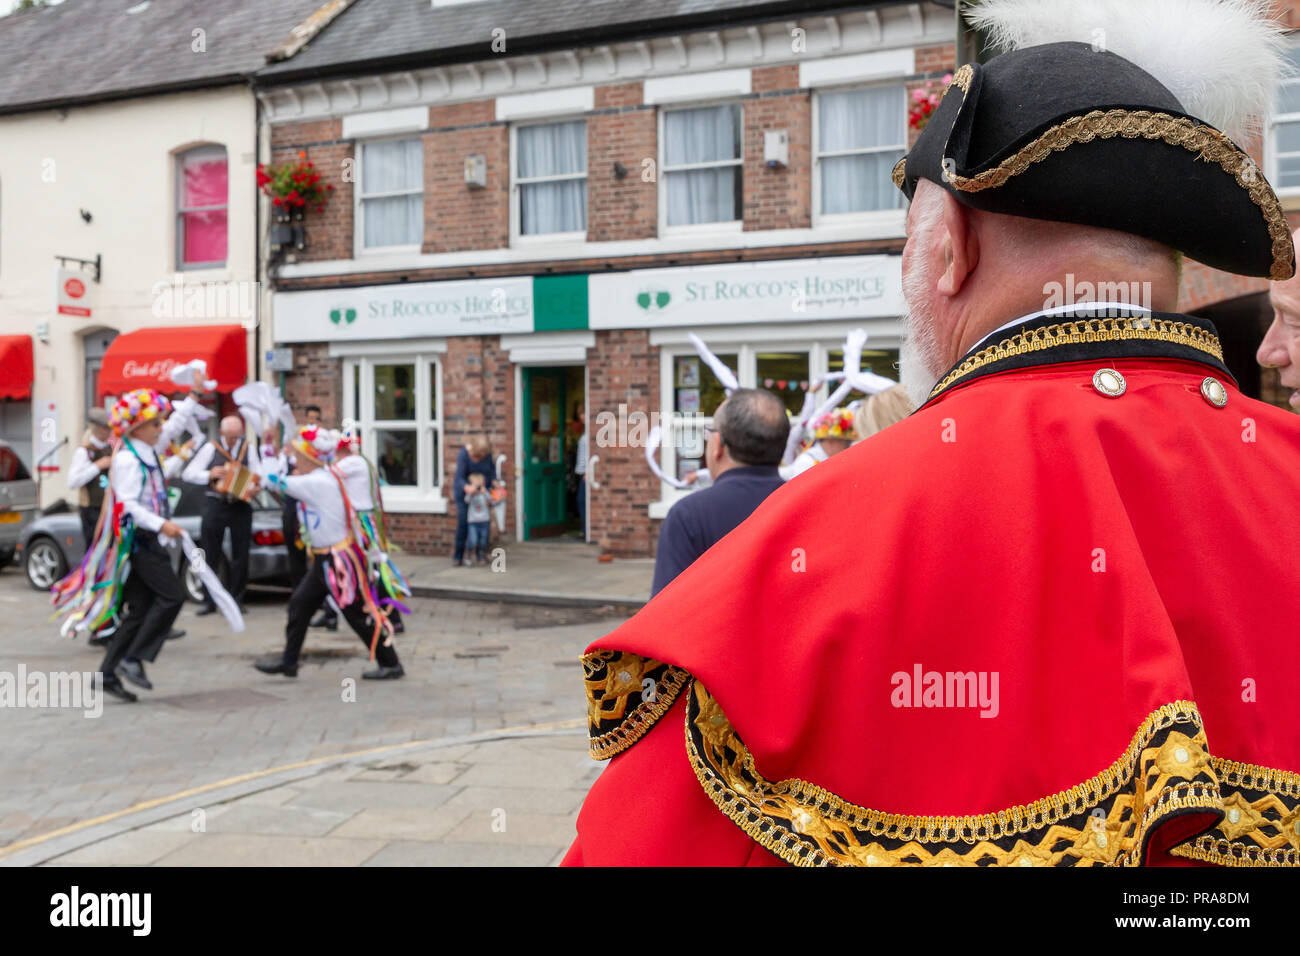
925,101
294,187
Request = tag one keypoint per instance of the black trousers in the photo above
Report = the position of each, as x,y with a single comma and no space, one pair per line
218,515
297,555
153,598
89,515
307,597
462,529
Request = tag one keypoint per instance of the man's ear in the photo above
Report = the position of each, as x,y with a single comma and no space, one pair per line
960,247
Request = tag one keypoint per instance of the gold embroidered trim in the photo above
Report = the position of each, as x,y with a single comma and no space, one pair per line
961,79
1229,853
1165,772
1250,776
1263,831
619,712
1206,142
1086,330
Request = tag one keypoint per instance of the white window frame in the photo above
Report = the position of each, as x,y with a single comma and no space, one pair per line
358,220
818,346
871,216
180,210
427,494
517,238
736,225
1271,155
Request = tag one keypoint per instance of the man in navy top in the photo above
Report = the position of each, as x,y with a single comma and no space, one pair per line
743,448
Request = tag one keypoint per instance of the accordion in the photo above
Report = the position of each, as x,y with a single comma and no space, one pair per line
238,482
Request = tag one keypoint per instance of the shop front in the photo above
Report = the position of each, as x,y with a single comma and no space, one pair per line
420,368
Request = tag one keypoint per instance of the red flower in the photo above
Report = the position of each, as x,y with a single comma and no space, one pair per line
330,187
276,201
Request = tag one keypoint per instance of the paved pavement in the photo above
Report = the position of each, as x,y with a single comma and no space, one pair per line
216,726
553,572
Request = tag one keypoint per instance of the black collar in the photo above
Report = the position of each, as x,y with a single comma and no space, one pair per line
1082,337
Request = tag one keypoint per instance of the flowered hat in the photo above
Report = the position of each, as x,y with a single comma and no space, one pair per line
349,438
837,423
136,407
318,445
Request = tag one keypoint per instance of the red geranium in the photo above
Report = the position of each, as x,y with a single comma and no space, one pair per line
293,185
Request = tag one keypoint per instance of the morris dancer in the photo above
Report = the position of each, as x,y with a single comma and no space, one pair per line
339,568
127,560
830,434
361,483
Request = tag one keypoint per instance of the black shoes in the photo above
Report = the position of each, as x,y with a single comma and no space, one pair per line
385,673
326,620
276,665
113,687
173,634
97,640
206,609
399,628
133,671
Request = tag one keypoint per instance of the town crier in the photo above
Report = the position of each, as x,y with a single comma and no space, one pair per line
1044,620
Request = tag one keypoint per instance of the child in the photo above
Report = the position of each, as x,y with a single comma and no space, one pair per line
479,518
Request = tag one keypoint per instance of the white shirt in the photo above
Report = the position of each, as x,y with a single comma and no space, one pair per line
131,488
83,469
356,479
320,506
803,462
198,471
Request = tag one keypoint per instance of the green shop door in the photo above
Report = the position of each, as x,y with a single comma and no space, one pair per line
544,462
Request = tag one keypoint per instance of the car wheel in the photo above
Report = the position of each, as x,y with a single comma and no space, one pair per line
192,584
44,563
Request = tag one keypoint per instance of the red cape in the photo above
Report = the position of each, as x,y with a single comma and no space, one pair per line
1124,566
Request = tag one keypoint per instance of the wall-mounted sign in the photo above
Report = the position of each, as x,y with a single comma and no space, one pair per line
279,360
72,292
409,310
842,287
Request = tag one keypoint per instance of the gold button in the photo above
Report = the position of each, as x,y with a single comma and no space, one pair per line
1109,382
717,720
1212,391
1101,840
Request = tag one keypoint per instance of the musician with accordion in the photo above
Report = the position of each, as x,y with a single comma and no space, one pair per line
223,465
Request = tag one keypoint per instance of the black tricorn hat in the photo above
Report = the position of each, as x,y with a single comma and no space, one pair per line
1060,131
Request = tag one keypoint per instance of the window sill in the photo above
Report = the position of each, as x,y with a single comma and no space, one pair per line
703,229
388,251
548,239
413,501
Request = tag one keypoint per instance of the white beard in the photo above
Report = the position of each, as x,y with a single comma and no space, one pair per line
920,364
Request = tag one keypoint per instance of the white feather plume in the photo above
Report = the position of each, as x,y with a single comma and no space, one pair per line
1221,58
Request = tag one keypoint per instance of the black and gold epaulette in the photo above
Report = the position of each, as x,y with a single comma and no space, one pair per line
626,694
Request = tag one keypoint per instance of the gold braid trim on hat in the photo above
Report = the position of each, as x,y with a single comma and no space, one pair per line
1104,821
1078,331
1205,141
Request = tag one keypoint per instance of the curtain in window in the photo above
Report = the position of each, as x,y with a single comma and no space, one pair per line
554,150
700,136
392,167
204,183
860,119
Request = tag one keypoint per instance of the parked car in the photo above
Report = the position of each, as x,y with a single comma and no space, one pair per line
49,546
19,506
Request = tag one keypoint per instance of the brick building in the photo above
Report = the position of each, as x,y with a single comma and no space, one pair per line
535,204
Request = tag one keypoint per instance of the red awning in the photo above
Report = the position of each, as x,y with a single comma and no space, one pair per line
145,358
16,367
